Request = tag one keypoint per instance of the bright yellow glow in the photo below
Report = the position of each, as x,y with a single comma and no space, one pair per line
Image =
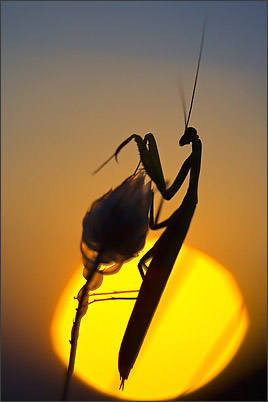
198,327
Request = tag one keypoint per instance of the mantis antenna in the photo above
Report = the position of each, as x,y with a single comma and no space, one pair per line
135,136
182,96
196,75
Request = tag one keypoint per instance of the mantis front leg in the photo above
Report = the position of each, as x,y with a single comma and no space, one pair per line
154,168
150,159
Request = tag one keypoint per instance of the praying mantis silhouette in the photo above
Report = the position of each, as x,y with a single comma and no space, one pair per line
166,249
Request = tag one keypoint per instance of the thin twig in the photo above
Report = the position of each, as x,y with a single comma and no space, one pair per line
114,292
80,312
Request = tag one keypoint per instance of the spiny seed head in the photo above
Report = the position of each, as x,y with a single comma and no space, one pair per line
117,223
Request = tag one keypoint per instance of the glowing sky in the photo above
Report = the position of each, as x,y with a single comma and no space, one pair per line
77,79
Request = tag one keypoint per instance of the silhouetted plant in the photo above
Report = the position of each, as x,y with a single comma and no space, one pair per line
114,231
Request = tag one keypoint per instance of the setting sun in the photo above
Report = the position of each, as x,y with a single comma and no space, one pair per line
199,325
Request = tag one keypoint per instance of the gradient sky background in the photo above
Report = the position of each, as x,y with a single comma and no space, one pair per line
77,79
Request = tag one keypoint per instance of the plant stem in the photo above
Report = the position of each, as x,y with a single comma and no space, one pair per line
80,312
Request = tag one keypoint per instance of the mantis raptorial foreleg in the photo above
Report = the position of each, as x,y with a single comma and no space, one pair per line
150,159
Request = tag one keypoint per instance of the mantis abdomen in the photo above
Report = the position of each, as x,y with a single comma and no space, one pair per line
166,250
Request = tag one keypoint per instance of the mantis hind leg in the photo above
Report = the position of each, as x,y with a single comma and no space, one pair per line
153,225
141,265
153,222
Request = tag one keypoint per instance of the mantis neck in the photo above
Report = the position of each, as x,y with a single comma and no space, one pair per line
196,143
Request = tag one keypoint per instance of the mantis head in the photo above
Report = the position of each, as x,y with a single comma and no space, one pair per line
189,134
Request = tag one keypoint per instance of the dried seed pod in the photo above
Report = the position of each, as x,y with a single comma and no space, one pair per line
116,225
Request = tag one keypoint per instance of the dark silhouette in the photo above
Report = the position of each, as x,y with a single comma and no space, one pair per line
163,253
167,247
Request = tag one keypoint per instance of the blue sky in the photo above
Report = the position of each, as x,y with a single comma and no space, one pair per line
153,29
